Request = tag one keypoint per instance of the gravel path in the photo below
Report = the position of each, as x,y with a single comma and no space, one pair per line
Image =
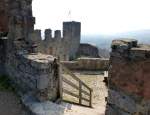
95,82
10,104
49,108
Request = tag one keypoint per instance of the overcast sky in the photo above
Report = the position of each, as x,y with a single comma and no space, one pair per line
96,16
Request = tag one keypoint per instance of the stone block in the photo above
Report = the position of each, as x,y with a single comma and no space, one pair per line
43,82
123,44
122,101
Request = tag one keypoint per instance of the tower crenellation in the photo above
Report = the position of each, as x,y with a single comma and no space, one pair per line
48,34
37,32
65,45
57,34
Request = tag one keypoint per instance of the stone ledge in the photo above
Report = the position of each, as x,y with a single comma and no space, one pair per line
124,43
39,60
129,49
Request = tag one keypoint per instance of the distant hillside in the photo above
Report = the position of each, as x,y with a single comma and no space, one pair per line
98,40
104,41
143,36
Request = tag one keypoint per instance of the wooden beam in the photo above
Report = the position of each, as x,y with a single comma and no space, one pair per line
90,98
85,92
70,93
70,83
80,92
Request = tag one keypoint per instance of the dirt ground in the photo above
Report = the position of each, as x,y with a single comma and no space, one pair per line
10,104
95,82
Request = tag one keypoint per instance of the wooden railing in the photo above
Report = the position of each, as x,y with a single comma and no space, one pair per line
79,87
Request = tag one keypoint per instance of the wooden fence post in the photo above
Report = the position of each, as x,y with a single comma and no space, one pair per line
60,82
90,98
80,92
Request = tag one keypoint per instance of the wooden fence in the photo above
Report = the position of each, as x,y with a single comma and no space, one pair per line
82,92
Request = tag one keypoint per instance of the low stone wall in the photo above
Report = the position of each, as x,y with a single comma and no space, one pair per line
35,73
88,50
87,64
129,79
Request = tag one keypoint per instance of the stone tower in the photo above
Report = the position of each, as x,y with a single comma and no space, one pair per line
71,35
17,20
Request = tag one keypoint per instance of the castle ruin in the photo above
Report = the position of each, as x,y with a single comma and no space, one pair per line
39,74
64,47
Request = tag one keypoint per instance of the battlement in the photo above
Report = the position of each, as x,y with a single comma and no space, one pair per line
48,34
130,49
64,46
57,34
70,30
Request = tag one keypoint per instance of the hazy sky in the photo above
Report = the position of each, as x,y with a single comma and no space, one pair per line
96,16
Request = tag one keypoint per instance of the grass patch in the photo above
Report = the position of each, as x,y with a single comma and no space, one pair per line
5,84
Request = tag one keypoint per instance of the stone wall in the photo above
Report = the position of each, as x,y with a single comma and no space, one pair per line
64,47
4,16
72,36
129,79
3,43
20,25
35,73
87,64
88,50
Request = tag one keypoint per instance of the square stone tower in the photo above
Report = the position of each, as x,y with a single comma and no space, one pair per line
72,36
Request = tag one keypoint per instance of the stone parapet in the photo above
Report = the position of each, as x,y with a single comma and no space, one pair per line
129,79
36,73
129,49
87,64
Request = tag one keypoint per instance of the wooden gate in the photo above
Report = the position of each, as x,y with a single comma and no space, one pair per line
70,83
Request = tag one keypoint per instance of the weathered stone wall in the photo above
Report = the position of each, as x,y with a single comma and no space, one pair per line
3,43
51,45
20,25
35,73
15,26
72,36
3,16
18,21
88,50
129,79
87,64
64,47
